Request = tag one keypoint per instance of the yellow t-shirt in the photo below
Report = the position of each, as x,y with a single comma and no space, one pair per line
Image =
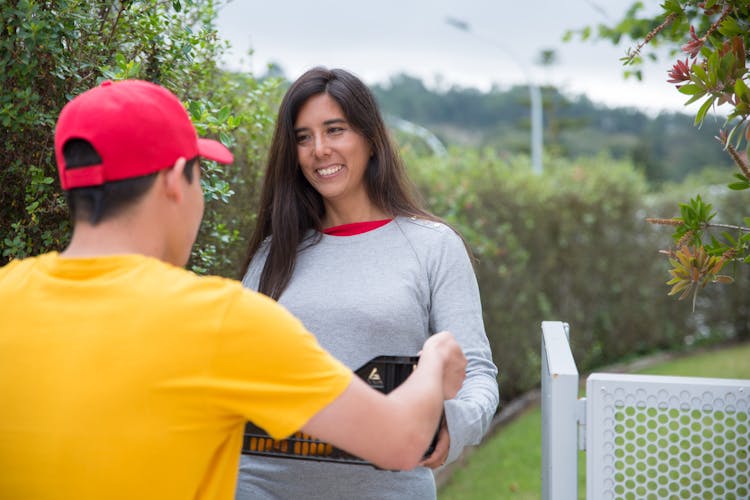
125,377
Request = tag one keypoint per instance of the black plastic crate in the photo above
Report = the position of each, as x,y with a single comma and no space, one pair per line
383,373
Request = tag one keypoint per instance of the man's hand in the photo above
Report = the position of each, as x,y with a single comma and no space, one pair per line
444,347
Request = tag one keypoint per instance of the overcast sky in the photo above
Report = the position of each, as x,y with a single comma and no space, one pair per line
379,38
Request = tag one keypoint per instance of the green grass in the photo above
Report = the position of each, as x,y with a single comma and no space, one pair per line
731,362
508,465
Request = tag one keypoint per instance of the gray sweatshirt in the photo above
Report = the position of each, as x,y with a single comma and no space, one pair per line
382,292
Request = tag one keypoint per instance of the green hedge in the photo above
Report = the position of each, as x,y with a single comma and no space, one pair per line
571,245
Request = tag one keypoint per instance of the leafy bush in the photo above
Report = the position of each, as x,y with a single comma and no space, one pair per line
570,245
51,51
713,36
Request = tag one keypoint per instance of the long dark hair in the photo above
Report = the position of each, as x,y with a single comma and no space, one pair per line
290,206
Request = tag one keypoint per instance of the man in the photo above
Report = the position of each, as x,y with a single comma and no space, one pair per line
124,376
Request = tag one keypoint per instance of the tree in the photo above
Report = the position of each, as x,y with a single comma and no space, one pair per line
53,50
709,41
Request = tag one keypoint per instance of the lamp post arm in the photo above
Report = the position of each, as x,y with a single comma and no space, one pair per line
537,147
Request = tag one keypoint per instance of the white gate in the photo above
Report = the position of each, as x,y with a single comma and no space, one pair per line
646,437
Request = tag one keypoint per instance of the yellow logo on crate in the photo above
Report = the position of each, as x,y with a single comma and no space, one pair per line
374,378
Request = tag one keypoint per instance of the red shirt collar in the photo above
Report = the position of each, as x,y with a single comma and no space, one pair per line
355,227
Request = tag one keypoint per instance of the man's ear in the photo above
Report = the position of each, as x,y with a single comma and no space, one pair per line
173,180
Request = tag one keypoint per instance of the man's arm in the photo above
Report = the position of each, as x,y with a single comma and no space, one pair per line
393,431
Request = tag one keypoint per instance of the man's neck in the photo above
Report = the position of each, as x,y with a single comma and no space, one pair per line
113,237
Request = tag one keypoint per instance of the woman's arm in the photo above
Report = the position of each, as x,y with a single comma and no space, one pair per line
456,306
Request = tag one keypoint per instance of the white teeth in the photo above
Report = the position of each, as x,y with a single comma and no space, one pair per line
329,170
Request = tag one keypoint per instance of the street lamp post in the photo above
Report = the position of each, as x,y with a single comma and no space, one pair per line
534,94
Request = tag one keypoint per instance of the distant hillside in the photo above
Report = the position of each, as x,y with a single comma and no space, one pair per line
667,146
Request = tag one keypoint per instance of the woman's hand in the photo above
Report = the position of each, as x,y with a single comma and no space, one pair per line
440,454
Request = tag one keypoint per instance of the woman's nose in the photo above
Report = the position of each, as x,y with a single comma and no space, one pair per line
321,147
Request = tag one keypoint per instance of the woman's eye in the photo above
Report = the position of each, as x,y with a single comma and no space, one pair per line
302,138
335,130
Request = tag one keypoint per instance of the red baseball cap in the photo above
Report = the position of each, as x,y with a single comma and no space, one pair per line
136,127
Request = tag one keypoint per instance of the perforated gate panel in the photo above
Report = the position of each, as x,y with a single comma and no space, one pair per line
654,437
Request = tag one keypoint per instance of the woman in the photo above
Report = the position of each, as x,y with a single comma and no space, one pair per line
342,243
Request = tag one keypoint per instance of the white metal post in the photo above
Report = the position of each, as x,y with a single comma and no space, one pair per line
559,414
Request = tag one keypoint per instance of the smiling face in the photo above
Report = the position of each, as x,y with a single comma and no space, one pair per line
333,155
